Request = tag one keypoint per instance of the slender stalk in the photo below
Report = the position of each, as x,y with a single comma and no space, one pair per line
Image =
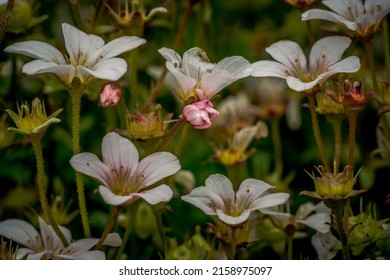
76,103
337,144
371,63
168,136
183,136
275,131
386,46
36,142
4,20
289,247
317,132
129,228
176,43
76,13
339,213
110,224
160,228
133,80
352,118
310,32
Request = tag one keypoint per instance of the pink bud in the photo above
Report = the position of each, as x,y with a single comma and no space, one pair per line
110,95
200,114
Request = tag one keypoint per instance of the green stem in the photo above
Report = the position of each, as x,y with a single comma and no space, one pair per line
183,136
317,132
339,215
36,142
386,46
310,32
4,20
371,63
133,80
76,13
160,228
176,43
110,224
352,118
275,131
336,125
76,104
168,136
289,247
129,228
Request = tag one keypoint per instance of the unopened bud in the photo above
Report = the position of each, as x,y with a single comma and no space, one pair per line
200,114
110,95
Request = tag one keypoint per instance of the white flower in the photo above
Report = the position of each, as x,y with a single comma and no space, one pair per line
300,75
361,17
197,77
323,242
123,179
319,221
47,245
88,56
218,198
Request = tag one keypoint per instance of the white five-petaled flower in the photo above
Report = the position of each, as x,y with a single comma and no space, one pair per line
122,177
47,245
218,198
300,75
88,56
363,17
198,78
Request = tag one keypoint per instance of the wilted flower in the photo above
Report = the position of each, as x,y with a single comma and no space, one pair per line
122,177
303,75
198,78
35,121
218,198
89,57
326,105
47,245
200,114
110,95
144,126
363,17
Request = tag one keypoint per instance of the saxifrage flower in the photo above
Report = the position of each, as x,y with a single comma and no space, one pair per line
123,178
88,56
302,75
218,198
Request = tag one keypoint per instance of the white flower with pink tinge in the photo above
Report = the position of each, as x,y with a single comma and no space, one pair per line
200,79
200,114
218,198
123,178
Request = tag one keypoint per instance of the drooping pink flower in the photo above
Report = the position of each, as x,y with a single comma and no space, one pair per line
200,114
123,178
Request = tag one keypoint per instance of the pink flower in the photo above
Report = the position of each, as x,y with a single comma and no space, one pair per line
110,95
200,114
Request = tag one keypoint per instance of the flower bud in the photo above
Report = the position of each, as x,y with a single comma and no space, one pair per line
200,114
110,95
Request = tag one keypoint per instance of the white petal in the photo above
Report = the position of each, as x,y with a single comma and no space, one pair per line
196,63
121,45
320,222
156,167
110,198
113,240
78,43
329,16
51,241
290,54
89,255
171,56
120,154
80,246
297,85
304,210
233,221
323,242
39,50
186,83
21,232
162,193
64,72
269,200
111,69
200,197
250,191
267,68
90,165
23,252
221,189
349,9
327,51
224,73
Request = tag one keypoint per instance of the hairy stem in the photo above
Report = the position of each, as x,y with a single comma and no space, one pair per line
110,224
275,131
352,119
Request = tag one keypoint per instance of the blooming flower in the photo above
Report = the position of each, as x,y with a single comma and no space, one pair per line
47,245
123,179
198,78
33,122
300,75
88,56
361,17
200,114
218,198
